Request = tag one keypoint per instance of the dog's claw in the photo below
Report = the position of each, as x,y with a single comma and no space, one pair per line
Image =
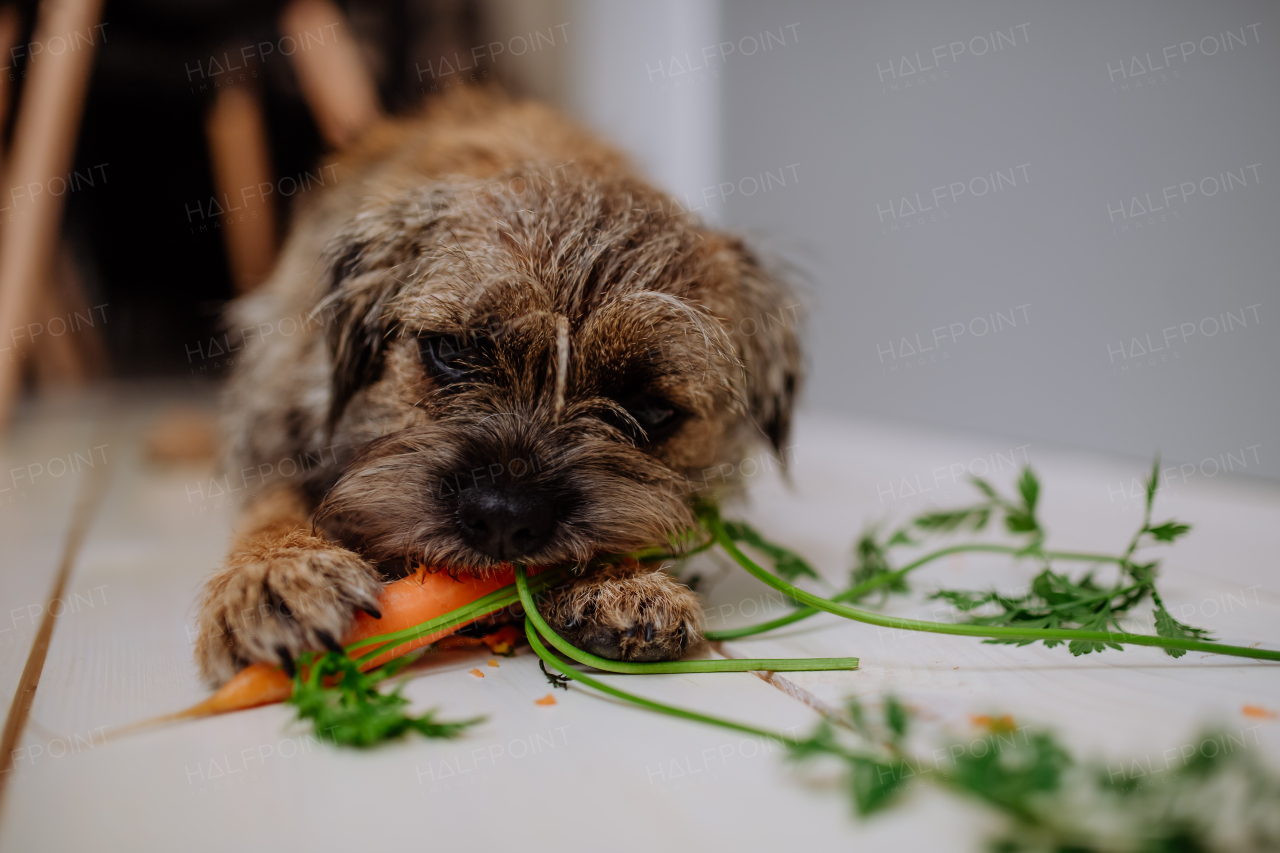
286,661
329,642
371,610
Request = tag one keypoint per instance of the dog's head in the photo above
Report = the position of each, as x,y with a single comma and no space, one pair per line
543,367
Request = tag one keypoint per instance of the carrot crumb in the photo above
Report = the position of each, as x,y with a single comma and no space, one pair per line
493,663
999,724
477,673
545,700
502,642
1259,712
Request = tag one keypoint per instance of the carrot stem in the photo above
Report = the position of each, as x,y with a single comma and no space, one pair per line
738,665
670,710
856,592
986,631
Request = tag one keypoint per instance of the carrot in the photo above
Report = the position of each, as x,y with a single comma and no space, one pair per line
415,599
406,603
256,684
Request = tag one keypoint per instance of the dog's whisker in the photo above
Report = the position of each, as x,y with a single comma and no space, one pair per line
562,364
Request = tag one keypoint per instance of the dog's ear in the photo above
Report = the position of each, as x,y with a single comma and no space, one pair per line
366,268
767,335
358,328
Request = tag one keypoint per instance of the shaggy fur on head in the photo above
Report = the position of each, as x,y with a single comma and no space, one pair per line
495,301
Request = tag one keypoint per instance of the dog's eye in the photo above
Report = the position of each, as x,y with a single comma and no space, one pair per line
652,414
657,419
449,358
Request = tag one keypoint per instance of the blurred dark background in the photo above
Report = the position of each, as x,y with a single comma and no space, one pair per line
142,239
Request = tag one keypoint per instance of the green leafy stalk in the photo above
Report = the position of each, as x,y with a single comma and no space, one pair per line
693,542
786,562
1057,601
670,710
872,555
876,775
353,712
873,570
711,518
1052,801
888,578
605,665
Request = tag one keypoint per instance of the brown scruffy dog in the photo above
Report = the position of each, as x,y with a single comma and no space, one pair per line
513,349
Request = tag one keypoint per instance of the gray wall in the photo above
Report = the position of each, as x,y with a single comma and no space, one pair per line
1037,299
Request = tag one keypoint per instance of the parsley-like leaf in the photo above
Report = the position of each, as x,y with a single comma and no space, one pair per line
871,562
896,717
1167,626
1153,483
345,705
1169,531
1029,488
786,562
975,518
874,783
986,488
1011,774
1053,601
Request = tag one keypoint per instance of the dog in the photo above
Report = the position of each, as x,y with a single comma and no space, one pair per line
516,351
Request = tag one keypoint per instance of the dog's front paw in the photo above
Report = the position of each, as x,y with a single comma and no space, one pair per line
626,613
277,598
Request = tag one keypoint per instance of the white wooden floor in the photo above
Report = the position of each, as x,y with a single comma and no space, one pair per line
586,773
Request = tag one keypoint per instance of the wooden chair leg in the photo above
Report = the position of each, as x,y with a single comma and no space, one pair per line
68,345
342,97
43,146
10,31
244,182
70,349
335,82
57,361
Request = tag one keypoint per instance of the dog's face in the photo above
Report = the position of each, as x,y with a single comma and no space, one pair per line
543,368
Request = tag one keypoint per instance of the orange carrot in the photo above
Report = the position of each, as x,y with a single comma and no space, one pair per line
415,599
407,602
256,684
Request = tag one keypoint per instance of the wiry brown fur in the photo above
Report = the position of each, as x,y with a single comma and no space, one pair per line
496,219
282,591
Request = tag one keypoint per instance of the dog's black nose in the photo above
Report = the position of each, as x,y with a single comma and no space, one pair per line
505,524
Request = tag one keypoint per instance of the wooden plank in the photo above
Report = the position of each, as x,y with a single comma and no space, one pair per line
43,463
